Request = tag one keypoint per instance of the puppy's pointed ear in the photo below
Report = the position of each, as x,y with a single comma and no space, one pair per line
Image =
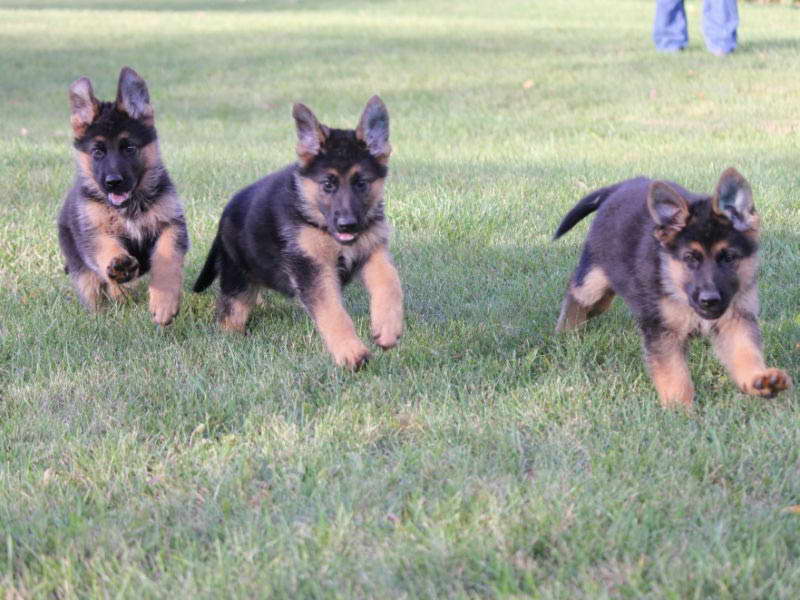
83,106
733,199
373,129
668,209
133,97
311,134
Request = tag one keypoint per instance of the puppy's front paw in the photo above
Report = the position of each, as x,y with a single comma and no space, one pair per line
351,354
387,331
122,268
164,306
769,383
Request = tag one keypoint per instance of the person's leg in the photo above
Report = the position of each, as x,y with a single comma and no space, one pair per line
669,29
720,20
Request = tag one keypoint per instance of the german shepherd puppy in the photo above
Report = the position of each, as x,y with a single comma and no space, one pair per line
685,264
307,229
122,217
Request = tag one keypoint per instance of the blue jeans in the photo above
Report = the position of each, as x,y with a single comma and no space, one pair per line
720,20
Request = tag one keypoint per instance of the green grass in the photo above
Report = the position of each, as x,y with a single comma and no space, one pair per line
484,457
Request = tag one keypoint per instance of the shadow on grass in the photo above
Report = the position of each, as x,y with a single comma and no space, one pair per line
760,45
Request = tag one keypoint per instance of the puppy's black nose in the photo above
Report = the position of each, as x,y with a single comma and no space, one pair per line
113,181
346,224
708,300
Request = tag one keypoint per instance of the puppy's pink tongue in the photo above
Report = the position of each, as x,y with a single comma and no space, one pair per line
118,198
345,237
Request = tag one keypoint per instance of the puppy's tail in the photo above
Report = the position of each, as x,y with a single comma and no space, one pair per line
586,206
210,271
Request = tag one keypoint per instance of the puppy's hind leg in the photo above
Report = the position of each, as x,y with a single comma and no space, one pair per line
572,313
587,297
86,282
237,296
89,288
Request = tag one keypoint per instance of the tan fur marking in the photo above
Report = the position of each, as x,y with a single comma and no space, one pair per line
88,285
737,344
323,248
333,322
167,276
235,311
754,220
697,247
739,351
581,303
318,245
107,248
386,298
671,376
572,314
678,317
103,219
158,216
309,195
79,127
151,155
594,286
374,237
673,278
719,246
747,270
108,226
84,162
602,305
85,165
303,157
80,121
116,291
677,271
376,191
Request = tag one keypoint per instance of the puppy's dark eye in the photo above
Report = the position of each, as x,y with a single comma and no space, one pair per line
329,185
726,256
359,184
98,153
692,259
130,149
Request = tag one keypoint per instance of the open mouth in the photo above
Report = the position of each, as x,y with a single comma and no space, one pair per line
118,199
344,238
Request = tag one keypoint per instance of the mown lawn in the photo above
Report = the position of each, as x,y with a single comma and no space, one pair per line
484,457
